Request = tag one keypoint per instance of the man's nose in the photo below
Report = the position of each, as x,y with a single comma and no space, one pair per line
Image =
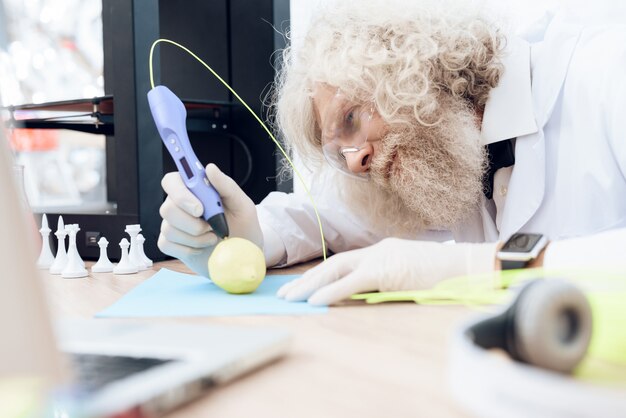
360,161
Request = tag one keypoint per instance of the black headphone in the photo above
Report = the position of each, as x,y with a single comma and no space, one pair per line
548,325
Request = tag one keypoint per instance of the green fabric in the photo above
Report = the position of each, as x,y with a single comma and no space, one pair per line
605,290
609,326
20,397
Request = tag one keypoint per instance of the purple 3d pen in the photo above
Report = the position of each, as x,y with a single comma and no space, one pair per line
170,115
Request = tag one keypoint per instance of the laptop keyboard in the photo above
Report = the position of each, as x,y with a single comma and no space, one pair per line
94,371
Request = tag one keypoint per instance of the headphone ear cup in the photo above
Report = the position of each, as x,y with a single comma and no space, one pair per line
552,325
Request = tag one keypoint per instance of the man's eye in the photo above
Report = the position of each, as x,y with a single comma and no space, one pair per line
350,121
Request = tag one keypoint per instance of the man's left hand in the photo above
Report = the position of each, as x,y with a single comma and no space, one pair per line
391,265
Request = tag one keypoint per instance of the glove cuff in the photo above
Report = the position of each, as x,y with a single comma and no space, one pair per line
481,258
273,247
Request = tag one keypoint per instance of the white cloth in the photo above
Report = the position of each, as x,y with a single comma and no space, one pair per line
569,179
602,251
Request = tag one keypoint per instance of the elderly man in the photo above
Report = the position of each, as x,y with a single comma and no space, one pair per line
422,122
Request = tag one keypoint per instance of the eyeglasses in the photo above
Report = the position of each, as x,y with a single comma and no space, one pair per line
346,131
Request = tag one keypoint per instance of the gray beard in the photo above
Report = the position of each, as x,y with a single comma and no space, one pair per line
423,177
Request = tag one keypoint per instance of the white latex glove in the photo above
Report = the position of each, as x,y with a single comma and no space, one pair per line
390,265
188,237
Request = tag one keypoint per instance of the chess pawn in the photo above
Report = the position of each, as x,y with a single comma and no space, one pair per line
133,254
61,258
146,261
103,265
125,266
46,258
74,268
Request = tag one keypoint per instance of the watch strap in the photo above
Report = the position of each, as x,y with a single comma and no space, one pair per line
512,265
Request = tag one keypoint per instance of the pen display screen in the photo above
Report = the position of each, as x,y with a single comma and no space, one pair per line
185,164
521,243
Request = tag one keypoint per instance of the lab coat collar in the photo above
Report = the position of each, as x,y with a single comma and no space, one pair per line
509,109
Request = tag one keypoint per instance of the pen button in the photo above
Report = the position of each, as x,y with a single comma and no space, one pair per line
199,165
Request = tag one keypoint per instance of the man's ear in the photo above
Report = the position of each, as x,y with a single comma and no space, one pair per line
318,134
317,131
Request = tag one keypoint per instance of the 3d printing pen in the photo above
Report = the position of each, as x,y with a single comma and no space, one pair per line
170,115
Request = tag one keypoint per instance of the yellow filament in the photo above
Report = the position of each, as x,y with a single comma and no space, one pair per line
306,189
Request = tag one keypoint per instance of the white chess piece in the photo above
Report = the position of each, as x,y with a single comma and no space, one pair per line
46,258
74,268
125,266
133,254
74,249
61,258
139,244
146,261
103,265
82,262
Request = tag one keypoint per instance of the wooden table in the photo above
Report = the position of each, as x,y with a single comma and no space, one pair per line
357,360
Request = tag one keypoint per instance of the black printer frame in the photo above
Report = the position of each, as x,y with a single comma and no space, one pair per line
237,38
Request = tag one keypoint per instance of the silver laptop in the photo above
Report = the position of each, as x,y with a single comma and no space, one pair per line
114,365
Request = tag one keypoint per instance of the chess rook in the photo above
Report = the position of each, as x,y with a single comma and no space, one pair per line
75,267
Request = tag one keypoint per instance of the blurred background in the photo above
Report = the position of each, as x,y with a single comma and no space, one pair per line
51,50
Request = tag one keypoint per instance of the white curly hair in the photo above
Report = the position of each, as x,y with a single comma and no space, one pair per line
406,57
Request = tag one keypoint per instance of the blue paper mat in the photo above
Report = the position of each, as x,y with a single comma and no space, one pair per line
172,294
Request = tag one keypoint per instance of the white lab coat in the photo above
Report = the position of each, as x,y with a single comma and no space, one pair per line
569,178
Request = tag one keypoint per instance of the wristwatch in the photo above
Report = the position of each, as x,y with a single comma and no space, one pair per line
519,250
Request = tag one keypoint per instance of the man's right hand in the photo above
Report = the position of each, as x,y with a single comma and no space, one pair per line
188,237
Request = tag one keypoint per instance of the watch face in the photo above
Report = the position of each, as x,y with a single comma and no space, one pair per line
521,243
